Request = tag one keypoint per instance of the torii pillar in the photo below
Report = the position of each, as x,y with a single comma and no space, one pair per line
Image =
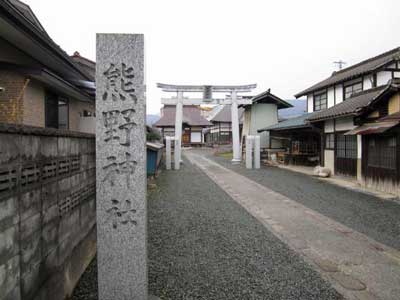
178,130
207,91
235,129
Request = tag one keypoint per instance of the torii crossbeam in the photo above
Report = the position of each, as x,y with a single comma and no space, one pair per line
232,99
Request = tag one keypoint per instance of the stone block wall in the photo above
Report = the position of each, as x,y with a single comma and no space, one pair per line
47,211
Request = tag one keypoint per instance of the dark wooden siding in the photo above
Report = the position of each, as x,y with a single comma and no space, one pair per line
381,161
346,154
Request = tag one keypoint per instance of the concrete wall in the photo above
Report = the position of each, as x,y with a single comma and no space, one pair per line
47,211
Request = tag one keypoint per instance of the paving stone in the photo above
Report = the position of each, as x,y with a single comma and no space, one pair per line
299,244
326,265
348,282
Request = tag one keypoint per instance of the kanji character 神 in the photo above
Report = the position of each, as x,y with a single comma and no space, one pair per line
126,167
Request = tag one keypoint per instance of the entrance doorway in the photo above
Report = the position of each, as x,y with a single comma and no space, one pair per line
346,155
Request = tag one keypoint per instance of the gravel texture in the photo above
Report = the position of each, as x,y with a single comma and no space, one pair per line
203,245
370,215
87,285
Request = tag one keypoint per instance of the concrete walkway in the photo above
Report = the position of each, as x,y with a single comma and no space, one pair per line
357,266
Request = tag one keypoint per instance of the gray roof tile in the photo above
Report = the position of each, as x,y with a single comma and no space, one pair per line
191,116
298,122
349,106
362,68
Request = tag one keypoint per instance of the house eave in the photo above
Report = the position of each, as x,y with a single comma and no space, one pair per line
23,35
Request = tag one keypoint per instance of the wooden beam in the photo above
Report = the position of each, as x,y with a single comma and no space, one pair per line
201,88
187,101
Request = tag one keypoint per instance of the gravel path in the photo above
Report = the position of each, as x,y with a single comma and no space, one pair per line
376,218
203,245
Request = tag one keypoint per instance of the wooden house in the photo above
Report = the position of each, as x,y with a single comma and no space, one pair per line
220,131
193,124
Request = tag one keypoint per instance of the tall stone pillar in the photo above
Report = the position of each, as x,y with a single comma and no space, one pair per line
168,152
249,151
178,130
121,167
257,151
235,129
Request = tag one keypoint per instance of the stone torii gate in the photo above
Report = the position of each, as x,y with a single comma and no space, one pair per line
232,99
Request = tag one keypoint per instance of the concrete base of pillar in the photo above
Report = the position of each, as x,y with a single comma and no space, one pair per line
236,161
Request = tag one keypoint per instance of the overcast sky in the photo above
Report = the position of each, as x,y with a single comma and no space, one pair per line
283,45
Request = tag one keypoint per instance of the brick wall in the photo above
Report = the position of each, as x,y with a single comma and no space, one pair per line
33,108
47,211
11,100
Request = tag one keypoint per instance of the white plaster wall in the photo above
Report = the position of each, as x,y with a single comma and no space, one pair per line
339,93
367,83
329,162
331,97
195,137
310,103
263,115
359,146
343,124
383,77
329,126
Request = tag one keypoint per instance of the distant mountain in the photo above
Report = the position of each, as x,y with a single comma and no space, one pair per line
299,108
151,119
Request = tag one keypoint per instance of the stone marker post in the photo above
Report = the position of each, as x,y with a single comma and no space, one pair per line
168,152
121,167
257,150
249,151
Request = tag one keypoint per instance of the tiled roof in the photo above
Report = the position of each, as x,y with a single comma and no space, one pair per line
348,107
84,63
223,114
267,97
298,122
364,67
191,116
